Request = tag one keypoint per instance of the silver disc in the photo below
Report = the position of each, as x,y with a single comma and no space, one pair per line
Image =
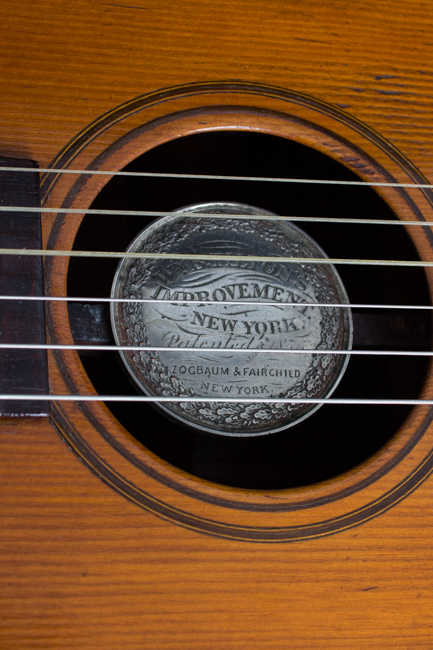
184,370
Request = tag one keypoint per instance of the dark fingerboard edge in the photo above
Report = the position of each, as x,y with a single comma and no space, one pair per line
21,371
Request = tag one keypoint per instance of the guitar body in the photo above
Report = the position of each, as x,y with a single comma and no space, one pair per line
103,543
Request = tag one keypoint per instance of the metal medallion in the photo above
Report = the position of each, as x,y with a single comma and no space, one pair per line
227,373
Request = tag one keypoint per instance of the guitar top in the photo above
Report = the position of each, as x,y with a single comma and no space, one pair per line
121,528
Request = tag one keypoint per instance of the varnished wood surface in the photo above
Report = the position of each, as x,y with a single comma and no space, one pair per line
65,65
83,567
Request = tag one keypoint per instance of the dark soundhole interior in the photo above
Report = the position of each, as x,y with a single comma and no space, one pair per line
336,438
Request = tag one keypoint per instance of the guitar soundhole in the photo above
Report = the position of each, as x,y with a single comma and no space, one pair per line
336,438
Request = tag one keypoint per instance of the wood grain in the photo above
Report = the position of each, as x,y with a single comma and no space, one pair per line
84,567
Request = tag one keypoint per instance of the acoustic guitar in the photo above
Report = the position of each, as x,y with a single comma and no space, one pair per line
120,527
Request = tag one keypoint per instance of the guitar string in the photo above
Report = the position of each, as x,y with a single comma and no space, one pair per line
210,215
214,400
213,257
246,303
266,179
213,350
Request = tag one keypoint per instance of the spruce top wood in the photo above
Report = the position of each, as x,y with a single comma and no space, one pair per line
173,564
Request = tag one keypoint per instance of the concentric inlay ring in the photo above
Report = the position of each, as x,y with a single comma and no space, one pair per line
286,515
